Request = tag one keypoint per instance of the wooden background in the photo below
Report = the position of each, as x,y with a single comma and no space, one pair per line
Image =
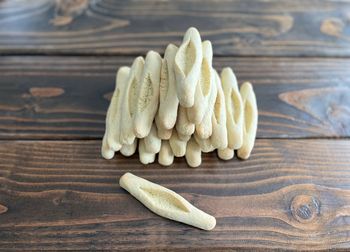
57,68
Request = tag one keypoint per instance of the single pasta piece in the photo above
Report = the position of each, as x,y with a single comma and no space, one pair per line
112,133
168,101
148,95
202,95
152,141
250,120
226,154
193,153
219,136
106,151
205,128
165,156
162,132
234,109
127,135
128,150
183,125
165,202
187,67
145,157
177,145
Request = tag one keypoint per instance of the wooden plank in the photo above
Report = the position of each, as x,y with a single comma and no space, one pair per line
291,194
236,27
67,97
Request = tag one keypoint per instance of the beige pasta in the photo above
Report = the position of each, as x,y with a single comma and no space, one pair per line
205,144
168,101
163,133
179,106
165,156
111,138
226,154
145,156
250,120
219,135
193,153
183,125
177,145
234,109
106,151
183,137
206,80
129,149
205,128
152,141
127,135
187,67
166,203
148,95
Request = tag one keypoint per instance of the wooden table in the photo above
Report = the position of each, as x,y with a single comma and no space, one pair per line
57,68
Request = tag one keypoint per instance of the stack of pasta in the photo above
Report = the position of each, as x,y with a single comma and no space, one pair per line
180,106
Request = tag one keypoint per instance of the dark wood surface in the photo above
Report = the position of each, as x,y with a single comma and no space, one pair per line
236,27
67,97
291,194
58,61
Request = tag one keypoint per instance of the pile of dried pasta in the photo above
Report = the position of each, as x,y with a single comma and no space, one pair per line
179,106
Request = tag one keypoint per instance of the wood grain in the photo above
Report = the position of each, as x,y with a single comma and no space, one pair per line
294,191
236,27
67,97
291,194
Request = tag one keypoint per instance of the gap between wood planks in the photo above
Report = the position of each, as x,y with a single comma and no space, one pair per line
26,53
100,139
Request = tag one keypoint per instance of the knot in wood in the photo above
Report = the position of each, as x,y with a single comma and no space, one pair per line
3,209
305,208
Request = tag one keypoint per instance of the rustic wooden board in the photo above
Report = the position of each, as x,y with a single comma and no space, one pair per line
291,194
236,27
67,97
